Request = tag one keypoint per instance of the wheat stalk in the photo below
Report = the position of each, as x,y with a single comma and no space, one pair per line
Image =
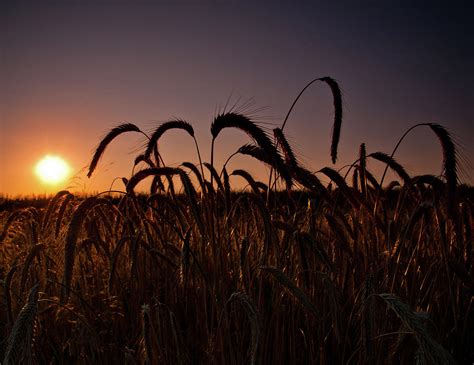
21,337
288,284
252,314
35,250
337,99
432,349
6,290
250,180
146,324
61,212
235,120
173,124
115,132
72,235
393,164
51,206
151,171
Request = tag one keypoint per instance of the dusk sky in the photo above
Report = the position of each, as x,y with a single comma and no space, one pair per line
72,70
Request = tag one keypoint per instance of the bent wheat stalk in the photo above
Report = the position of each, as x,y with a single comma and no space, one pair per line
337,97
72,235
449,163
234,120
115,132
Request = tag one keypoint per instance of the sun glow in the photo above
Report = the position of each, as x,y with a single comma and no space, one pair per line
52,169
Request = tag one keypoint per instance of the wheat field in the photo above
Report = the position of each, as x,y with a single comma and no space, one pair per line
287,271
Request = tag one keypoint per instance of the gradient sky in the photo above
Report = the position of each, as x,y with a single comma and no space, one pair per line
71,70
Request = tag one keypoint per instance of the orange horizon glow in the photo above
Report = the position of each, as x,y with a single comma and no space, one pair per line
72,73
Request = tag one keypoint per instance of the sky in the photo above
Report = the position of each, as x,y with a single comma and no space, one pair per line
71,70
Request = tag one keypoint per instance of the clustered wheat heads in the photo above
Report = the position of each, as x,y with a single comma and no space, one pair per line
200,270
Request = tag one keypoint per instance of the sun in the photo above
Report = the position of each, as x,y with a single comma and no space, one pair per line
52,169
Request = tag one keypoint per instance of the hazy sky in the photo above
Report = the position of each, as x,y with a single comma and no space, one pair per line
71,70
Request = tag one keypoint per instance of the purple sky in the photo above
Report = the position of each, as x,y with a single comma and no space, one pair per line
71,70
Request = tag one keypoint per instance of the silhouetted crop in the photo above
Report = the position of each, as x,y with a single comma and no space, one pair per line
304,272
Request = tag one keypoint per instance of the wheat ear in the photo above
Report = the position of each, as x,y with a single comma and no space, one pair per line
288,284
20,340
434,351
235,120
115,132
72,235
173,124
254,319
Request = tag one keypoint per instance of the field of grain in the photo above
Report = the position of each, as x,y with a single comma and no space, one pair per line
289,271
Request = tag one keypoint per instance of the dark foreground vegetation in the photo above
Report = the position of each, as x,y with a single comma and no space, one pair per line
290,272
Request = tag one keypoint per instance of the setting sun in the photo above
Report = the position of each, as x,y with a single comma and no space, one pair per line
52,169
